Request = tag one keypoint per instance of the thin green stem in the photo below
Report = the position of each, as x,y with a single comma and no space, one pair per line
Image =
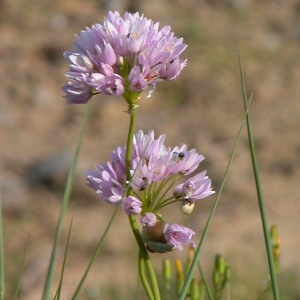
161,202
144,279
58,293
132,123
259,194
143,251
145,256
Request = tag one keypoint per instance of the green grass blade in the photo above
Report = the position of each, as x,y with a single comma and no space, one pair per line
65,201
97,251
199,248
259,194
22,269
57,296
2,280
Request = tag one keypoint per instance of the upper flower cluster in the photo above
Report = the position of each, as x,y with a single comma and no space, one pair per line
155,170
122,56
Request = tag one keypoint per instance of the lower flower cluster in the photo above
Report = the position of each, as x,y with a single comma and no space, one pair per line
155,171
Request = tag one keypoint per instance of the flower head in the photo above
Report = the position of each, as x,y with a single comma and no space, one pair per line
123,54
154,172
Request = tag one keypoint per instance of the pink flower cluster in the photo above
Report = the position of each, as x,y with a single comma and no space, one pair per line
121,55
154,169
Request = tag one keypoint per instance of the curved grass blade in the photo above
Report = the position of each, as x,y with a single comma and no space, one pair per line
22,269
65,202
57,296
199,248
97,251
259,193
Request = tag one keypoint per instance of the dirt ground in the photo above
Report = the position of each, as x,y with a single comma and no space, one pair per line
202,108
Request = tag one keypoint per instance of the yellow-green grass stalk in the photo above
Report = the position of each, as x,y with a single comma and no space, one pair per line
263,214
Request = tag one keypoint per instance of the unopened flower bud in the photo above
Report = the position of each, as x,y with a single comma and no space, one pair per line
220,264
189,260
187,207
194,289
179,276
167,273
275,246
202,290
217,281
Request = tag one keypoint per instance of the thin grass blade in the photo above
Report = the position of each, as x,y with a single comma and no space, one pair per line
96,253
21,269
57,296
205,232
65,202
259,193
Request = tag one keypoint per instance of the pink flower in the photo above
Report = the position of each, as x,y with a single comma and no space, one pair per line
105,182
149,219
195,188
130,47
176,234
183,161
132,206
163,237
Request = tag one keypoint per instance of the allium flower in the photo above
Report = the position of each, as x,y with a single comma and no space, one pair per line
105,182
183,161
145,145
154,171
121,55
176,234
195,188
151,163
149,219
132,205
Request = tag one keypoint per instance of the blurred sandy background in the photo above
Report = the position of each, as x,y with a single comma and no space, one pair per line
202,108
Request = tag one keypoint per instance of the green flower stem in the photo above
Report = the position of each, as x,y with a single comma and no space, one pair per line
144,278
145,257
135,229
132,113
